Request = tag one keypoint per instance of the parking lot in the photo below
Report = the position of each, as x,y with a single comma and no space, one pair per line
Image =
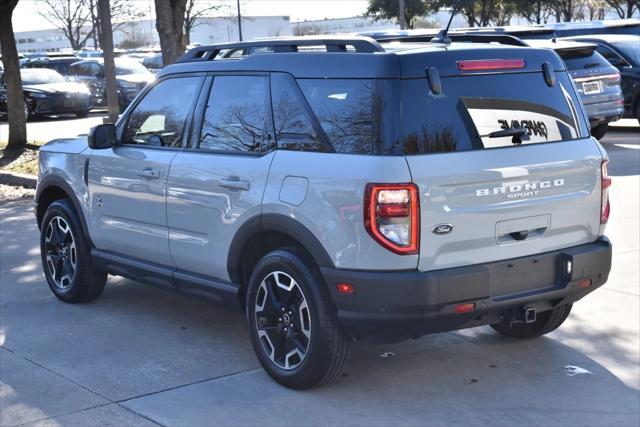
143,356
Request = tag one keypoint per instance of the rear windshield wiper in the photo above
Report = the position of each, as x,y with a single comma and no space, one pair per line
518,135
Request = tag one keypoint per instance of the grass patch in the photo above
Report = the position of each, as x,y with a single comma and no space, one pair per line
24,162
29,167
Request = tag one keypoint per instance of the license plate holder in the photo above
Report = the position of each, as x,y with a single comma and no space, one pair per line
519,276
589,88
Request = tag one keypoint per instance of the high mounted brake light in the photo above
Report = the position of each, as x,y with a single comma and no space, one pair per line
605,183
392,216
490,64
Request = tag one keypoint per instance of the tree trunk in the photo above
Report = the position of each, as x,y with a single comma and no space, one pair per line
170,26
12,80
113,106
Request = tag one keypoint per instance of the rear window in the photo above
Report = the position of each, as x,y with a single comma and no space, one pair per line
483,111
358,116
583,59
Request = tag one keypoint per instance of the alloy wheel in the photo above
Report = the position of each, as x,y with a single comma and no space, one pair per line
60,250
283,320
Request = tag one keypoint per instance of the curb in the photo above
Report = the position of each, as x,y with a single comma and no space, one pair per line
18,179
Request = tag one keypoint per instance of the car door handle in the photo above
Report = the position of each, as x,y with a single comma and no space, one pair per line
235,184
148,173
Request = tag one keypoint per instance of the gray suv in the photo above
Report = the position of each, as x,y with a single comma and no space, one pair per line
340,191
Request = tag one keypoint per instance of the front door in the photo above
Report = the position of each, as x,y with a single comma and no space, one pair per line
217,186
128,183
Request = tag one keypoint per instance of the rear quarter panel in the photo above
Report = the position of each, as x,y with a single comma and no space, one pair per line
332,205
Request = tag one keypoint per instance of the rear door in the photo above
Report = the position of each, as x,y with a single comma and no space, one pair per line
217,185
486,195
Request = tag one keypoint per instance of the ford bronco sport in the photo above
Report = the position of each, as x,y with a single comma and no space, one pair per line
338,191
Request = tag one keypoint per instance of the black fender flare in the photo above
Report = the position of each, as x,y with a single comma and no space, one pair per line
278,223
56,181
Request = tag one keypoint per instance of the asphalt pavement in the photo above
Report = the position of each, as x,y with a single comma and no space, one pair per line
143,356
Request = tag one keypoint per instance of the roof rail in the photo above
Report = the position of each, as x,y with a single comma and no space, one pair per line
466,37
285,45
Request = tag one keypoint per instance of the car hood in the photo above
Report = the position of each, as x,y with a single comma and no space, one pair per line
135,78
52,88
67,145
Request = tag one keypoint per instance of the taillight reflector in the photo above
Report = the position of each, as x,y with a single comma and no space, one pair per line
465,308
490,64
605,183
392,216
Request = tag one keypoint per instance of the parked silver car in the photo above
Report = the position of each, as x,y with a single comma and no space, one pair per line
339,190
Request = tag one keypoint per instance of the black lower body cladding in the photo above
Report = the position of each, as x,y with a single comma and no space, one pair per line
394,306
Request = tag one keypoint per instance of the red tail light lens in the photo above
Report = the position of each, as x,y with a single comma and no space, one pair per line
490,64
605,183
392,216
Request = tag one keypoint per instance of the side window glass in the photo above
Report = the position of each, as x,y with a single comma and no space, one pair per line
159,119
95,70
611,56
350,112
235,117
293,124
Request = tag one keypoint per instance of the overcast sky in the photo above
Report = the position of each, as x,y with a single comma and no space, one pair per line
26,16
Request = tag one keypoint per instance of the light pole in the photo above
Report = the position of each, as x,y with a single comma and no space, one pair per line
239,21
401,15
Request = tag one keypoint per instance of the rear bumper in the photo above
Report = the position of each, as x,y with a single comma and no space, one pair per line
604,112
394,306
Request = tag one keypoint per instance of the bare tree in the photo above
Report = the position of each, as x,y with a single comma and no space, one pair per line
193,14
72,17
596,9
11,77
170,25
624,8
534,11
123,12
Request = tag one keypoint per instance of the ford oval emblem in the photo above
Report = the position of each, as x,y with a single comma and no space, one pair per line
442,229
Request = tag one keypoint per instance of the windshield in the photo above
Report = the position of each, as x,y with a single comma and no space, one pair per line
130,67
39,76
630,49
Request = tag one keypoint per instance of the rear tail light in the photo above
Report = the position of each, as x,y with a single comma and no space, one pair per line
490,64
391,216
605,183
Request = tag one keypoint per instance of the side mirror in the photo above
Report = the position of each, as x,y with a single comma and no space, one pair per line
102,136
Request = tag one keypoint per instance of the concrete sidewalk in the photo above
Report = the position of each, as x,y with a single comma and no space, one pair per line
142,356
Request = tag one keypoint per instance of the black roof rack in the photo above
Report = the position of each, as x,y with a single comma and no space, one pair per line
285,45
466,37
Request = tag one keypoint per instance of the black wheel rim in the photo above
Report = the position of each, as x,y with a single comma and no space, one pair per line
60,252
283,320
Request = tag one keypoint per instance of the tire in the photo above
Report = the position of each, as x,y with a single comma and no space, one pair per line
545,323
66,256
27,112
82,114
308,318
599,131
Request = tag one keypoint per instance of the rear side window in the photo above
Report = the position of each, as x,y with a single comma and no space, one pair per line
236,113
295,127
358,116
473,112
